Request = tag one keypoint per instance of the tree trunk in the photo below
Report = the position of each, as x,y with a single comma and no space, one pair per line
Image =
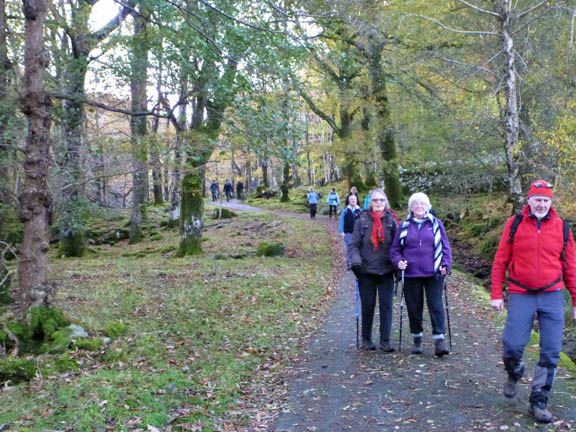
138,128
265,179
285,181
384,132
35,198
191,214
510,116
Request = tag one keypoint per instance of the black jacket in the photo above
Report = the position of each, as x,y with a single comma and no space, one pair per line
376,262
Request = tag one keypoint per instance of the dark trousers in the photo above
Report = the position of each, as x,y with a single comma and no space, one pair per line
313,208
370,287
332,210
414,290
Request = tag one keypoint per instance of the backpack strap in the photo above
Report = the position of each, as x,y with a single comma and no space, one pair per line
566,232
514,227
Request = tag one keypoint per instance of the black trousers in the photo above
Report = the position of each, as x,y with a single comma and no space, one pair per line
414,290
372,287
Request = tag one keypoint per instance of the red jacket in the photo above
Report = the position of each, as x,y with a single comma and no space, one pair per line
533,259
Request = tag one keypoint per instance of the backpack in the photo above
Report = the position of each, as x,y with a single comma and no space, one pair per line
566,232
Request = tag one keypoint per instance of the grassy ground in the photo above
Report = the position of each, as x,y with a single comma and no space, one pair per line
197,329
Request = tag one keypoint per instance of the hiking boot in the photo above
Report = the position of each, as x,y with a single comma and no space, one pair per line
510,388
367,345
540,413
417,348
440,349
386,347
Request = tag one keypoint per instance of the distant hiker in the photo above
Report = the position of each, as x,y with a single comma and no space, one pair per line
540,260
348,218
214,190
353,191
239,189
333,201
370,262
312,202
228,190
367,201
421,249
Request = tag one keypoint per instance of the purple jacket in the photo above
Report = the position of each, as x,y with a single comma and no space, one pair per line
418,249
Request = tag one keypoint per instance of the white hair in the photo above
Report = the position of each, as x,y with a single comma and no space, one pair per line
421,197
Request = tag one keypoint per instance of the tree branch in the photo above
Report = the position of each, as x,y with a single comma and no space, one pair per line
478,9
445,27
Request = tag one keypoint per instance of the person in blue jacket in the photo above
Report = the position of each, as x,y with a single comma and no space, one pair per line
422,251
348,218
312,202
333,202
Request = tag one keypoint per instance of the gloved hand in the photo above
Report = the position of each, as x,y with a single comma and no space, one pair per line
356,269
497,304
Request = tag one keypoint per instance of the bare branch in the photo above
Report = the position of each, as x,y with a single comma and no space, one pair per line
478,9
445,27
530,9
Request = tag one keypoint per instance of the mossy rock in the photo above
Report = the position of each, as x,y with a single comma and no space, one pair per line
271,249
156,236
17,370
223,213
89,344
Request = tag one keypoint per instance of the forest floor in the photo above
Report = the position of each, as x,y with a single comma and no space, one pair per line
334,387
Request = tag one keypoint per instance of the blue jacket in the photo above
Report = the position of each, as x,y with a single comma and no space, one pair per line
418,249
348,217
313,198
333,199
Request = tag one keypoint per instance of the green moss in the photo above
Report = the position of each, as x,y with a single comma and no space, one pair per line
17,370
65,364
89,344
46,321
270,249
115,330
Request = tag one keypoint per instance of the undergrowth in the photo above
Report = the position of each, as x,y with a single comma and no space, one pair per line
188,332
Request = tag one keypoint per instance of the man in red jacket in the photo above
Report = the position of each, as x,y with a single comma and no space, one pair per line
538,269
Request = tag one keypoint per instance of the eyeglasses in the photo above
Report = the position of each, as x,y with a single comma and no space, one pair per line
543,185
378,199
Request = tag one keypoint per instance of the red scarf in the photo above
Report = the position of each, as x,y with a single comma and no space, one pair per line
377,236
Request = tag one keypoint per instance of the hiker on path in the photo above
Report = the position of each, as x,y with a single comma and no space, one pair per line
333,201
228,190
312,202
353,191
370,262
214,190
540,260
422,251
239,189
348,218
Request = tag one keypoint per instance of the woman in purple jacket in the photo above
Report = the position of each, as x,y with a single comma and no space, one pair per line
422,251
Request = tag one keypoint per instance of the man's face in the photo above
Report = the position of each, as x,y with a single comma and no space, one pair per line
539,205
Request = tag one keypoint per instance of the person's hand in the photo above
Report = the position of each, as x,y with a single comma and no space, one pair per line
497,304
343,234
356,269
402,264
442,270
575,312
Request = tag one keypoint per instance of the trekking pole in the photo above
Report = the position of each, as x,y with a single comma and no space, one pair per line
447,310
357,315
401,312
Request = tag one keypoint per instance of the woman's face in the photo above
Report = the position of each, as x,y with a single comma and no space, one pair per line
352,200
378,202
419,208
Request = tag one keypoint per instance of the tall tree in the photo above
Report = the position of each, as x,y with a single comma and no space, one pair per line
35,198
138,126
77,42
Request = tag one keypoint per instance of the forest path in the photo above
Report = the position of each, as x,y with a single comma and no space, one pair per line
334,387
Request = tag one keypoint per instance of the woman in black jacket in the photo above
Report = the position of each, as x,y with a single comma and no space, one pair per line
370,259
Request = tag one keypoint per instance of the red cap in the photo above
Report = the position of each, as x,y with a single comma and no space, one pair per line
541,187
